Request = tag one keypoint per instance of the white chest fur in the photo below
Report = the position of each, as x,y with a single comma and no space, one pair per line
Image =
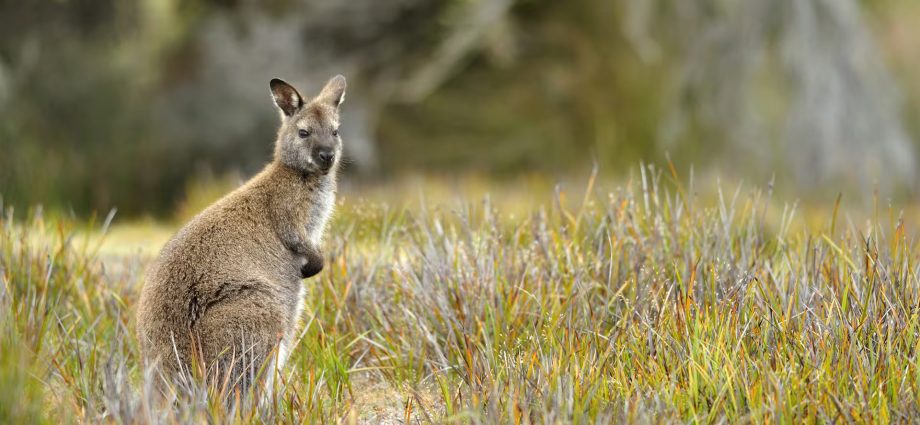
319,215
284,350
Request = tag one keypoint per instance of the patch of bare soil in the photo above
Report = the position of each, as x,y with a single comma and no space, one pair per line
376,401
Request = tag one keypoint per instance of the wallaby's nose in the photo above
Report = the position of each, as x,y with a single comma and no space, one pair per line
325,157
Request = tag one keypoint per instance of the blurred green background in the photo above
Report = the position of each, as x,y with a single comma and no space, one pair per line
108,103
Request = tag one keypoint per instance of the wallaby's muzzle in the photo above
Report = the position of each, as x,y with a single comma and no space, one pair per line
324,157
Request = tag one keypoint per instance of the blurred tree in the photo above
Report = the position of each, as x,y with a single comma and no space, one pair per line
109,103
106,103
803,73
552,87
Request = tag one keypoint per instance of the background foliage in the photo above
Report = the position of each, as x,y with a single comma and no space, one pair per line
107,103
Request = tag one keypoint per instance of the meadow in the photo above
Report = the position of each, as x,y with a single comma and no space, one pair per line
647,301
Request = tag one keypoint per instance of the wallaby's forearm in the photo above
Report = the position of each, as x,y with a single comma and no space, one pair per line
310,256
311,263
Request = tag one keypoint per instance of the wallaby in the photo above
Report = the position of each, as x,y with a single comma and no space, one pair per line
226,292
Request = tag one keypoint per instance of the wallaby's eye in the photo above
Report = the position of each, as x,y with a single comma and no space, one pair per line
335,133
303,133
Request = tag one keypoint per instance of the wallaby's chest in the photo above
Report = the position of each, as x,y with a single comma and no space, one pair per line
320,209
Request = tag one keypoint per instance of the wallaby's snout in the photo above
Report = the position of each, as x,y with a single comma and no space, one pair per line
324,157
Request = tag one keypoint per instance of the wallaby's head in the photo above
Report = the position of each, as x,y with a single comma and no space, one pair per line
308,139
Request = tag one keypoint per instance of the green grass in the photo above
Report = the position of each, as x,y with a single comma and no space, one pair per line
646,303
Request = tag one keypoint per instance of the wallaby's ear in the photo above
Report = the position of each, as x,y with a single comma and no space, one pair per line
334,92
286,97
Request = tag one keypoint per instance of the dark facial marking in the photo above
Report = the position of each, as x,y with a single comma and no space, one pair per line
317,114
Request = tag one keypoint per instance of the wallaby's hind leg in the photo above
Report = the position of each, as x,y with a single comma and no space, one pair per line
235,339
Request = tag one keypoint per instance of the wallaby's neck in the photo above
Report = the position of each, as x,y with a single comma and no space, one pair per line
277,173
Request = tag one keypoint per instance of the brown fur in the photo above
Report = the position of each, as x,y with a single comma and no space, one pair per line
227,290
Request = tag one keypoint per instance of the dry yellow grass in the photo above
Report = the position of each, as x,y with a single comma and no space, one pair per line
642,303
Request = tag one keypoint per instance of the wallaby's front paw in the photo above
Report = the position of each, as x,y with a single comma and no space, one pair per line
312,265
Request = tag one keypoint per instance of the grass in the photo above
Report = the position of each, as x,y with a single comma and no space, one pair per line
645,303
